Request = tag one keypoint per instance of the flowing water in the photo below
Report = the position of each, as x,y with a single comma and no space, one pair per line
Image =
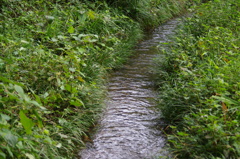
129,128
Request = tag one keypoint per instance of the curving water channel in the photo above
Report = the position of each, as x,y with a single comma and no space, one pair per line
128,128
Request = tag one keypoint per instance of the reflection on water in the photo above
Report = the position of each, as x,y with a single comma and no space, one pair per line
128,127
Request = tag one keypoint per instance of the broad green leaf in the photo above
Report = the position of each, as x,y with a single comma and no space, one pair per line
2,155
89,39
91,14
48,140
19,90
62,121
3,120
76,38
21,93
1,62
26,122
54,40
38,99
82,18
61,37
48,17
81,50
45,95
45,131
63,136
5,117
76,103
68,87
182,134
37,104
9,137
80,79
59,145
72,69
30,156
9,151
71,30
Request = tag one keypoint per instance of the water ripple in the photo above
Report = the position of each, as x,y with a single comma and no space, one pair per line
128,126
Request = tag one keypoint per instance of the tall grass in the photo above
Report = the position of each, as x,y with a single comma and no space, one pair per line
150,13
198,83
54,57
53,60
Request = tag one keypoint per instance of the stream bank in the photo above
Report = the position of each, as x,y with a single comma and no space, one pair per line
54,56
128,127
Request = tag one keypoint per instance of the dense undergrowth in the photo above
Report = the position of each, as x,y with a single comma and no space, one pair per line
199,84
54,56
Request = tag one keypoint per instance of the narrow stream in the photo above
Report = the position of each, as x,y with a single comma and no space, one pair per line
128,128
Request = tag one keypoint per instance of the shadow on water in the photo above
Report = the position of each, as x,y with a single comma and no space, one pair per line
128,128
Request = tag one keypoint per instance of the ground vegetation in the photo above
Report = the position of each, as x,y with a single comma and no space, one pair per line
198,82
54,60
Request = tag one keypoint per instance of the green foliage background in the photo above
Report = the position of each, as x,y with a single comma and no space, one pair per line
198,80
54,59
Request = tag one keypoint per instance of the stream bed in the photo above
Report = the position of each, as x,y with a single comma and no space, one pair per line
129,127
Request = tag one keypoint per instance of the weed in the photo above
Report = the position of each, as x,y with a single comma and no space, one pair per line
54,59
199,83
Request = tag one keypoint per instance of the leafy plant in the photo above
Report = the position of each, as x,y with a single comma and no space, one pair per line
54,58
199,86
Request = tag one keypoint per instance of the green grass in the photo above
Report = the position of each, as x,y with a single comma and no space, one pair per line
198,83
54,57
